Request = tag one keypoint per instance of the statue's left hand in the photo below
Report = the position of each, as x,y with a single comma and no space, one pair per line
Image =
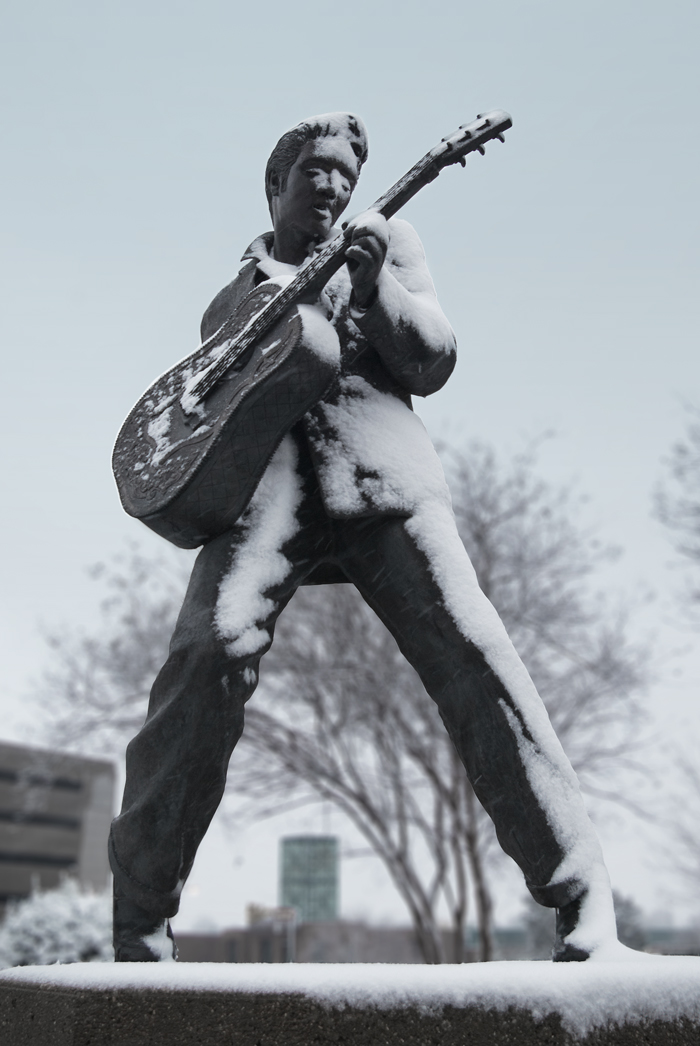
369,240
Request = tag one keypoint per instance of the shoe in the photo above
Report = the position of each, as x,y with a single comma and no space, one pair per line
141,936
567,922
586,927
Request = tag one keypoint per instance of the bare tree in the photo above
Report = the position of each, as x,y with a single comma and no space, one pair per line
537,564
683,818
344,718
677,505
339,716
95,689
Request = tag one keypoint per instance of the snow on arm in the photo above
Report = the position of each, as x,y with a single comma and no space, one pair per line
406,324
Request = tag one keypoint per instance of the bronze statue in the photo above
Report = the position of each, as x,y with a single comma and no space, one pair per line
348,488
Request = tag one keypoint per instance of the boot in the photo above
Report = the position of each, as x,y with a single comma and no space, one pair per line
141,936
586,926
567,921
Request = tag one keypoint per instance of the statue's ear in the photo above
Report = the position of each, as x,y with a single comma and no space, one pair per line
274,183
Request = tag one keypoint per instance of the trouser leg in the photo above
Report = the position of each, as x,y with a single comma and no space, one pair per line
417,576
177,764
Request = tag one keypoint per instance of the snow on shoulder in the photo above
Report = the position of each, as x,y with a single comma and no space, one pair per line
586,995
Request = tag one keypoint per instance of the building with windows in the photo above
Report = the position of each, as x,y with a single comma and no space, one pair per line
309,877
55,812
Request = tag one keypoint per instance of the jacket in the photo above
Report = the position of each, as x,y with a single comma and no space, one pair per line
371,453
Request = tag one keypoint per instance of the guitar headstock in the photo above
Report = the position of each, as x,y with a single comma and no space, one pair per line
472,137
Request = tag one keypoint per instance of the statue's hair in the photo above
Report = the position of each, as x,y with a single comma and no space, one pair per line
285,153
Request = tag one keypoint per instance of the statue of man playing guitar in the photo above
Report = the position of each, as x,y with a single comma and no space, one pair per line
353,493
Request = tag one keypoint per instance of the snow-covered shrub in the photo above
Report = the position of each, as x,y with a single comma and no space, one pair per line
63,925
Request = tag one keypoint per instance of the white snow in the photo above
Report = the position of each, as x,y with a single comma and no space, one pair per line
406,289
549,771
158,430
270,521
381,457
268,264
370,222
160,944
586,995
319,335
560,796
67,924
338,123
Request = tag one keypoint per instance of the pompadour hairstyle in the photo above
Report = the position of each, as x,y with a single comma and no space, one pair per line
285,153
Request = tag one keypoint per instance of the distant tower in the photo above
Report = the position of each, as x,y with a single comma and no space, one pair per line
309,876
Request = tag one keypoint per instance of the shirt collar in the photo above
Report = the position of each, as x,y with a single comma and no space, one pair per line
260,250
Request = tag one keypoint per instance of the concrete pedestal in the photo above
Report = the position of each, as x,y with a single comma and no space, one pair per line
498,1004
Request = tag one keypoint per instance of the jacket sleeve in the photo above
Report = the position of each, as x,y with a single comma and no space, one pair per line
404,323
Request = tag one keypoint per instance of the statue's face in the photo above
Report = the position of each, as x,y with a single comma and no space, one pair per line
319,186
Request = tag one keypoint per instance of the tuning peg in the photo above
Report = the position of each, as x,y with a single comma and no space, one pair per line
500,138
463,161
481,149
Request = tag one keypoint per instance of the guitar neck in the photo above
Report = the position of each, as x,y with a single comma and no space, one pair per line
319,270
331,258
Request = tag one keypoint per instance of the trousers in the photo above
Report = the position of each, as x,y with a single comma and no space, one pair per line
415,574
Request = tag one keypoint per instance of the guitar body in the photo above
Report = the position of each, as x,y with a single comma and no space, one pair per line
189,476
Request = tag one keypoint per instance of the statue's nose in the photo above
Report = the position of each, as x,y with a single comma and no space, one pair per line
331,185
328,188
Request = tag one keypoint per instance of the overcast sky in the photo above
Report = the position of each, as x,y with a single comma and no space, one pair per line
135,137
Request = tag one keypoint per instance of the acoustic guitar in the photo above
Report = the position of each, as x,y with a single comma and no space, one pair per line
191,452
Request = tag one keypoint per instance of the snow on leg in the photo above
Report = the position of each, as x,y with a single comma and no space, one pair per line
548,770
270,521
417,576
549,773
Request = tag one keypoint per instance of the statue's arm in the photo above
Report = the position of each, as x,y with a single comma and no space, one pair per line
404,322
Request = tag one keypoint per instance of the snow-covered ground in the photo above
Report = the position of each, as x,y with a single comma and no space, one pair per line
586,995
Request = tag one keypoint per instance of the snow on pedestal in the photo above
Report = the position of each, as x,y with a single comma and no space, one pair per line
596,999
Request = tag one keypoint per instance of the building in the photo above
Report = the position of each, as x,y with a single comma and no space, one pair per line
278,940
309,877
55,812
330,942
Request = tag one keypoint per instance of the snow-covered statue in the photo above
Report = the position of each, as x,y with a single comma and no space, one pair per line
348,489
